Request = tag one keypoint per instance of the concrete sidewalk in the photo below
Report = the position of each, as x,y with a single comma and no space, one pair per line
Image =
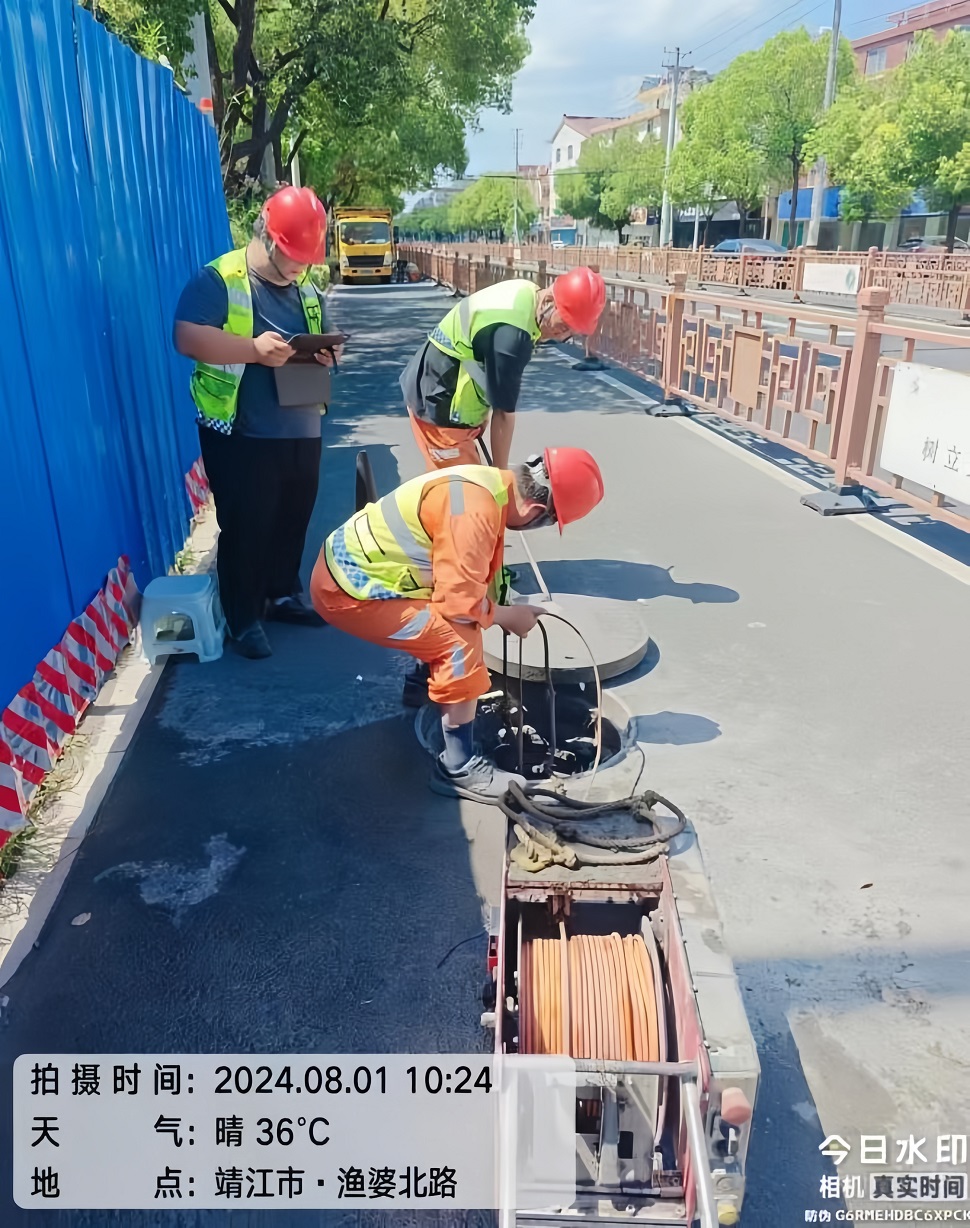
270,873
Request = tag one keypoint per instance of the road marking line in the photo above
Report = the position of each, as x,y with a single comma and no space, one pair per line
896,537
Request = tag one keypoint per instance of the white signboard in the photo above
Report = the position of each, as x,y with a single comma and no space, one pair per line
825,278
927,435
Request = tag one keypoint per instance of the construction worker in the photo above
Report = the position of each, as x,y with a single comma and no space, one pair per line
470,368
262,458
417,571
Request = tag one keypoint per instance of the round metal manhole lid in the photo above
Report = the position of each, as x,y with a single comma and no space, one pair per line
616,632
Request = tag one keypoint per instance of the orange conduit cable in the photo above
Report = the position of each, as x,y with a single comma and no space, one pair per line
589,996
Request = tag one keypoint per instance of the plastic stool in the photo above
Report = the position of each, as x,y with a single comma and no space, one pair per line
182,614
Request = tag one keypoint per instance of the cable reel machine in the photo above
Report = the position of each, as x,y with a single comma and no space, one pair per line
607,947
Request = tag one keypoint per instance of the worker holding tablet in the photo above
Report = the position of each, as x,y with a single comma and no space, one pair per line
251,320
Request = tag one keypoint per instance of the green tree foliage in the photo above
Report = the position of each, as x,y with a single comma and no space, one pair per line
616,172
779,90
860,143
908,133
153,28
638,179
749,128
716,159
431,222
379,91
487,206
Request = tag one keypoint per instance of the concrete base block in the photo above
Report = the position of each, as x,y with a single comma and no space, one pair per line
847,501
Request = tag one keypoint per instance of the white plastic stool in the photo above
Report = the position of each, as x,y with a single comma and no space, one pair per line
182,614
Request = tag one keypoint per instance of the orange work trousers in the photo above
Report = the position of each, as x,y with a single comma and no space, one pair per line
452,650
445,446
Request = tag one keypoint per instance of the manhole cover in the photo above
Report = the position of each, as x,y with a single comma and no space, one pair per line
616,632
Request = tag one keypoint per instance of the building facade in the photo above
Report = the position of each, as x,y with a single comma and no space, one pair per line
875,53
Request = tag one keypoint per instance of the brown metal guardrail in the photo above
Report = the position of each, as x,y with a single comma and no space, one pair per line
928,280
817,381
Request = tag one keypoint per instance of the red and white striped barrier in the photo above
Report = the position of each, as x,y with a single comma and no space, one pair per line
197,485
45,712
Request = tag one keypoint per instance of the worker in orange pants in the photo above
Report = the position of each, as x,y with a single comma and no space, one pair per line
468,373
418,571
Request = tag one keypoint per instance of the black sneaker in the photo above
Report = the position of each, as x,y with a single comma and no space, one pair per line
479,780
252,643
296,609
415,693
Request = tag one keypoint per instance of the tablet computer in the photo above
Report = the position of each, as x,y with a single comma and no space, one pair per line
316,343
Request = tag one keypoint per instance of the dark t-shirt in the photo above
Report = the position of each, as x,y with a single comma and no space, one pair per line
430,378
276,309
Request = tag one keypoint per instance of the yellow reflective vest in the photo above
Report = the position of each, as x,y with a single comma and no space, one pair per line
384,551
215,389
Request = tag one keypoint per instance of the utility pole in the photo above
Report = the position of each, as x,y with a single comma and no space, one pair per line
515,191
666,215
821,176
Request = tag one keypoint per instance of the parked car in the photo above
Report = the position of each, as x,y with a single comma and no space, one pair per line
931,243
750,247
556,244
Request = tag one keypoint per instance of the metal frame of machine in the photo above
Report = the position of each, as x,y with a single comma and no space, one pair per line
694,1167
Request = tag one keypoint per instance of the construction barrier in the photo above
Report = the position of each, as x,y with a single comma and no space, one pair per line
43,714
112,198
818,382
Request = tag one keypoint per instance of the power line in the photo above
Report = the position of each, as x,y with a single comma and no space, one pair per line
879,17
770,21
730,26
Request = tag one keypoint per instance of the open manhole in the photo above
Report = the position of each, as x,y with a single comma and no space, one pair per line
549,747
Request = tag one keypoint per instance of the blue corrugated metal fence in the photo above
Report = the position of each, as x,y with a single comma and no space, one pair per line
110,196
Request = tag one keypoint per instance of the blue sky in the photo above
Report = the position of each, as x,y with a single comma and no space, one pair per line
589,56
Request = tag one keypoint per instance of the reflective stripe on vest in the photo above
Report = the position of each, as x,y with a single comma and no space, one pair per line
384,551
509,302
214,387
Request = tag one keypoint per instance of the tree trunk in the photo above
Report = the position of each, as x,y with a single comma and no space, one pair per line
241,52
742,217
796,167
951,226
215,73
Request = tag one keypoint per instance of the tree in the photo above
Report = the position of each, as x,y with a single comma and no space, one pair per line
431,222
907,134
348,72
615,173
489,205
716,159
778,93
638,177
859,142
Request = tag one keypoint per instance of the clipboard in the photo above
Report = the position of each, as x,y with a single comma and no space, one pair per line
302,384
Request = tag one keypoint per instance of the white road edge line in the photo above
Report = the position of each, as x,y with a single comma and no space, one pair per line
896,537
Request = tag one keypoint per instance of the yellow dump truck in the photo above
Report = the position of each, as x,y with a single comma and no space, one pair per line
364,244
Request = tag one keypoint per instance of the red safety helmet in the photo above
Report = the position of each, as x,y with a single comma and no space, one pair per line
575,482
296,222
580,296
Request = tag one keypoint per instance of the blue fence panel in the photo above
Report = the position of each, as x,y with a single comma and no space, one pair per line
110,198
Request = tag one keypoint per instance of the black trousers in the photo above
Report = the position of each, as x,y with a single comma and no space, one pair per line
264,492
